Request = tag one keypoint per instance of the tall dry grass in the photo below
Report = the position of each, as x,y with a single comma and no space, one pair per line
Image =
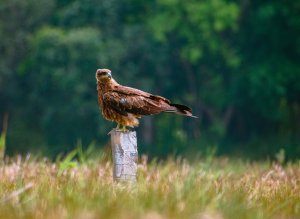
217,188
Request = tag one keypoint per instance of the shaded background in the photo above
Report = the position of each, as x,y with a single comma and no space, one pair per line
236,63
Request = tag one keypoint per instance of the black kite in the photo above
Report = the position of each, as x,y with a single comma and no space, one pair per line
125,105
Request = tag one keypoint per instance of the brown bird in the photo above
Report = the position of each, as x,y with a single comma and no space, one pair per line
125,105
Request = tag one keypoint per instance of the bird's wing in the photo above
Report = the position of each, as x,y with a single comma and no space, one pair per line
136,92
134,101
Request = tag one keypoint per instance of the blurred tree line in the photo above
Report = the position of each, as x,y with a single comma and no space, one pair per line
235,62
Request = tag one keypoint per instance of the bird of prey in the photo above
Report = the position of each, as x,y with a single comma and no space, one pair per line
125,105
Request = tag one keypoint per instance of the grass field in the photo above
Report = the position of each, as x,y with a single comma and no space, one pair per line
206,189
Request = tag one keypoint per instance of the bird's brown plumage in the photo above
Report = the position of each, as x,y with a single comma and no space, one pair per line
125,105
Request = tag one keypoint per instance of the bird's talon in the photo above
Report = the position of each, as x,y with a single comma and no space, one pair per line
124,129
118,128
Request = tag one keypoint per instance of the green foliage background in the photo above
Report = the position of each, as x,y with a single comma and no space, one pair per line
236,63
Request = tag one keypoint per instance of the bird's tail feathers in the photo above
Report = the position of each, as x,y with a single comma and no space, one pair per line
180,109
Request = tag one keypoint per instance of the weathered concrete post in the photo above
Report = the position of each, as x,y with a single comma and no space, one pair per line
125,155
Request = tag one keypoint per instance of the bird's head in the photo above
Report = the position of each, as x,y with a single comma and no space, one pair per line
103,75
